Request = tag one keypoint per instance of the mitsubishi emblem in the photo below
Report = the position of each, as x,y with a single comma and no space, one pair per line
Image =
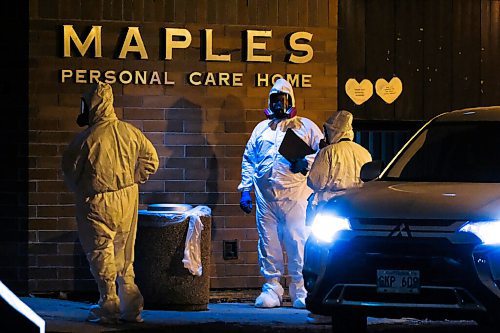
401,230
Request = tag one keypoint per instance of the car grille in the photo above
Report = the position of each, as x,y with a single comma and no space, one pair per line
411,222
439,261
429,297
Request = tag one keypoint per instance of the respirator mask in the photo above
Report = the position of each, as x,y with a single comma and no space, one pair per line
280,106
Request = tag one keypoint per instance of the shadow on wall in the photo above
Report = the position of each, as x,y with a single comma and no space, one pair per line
193,161
229,138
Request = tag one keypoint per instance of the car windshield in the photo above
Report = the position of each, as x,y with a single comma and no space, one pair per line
451,152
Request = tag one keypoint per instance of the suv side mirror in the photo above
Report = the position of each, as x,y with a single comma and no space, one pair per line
371,170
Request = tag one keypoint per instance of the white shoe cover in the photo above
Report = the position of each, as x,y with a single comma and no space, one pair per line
299,303
270,297
297,291
317,319
136,319
105,313
131,303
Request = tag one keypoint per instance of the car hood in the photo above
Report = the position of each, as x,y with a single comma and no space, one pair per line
411,200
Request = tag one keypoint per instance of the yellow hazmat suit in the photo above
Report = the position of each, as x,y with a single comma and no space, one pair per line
103,166
337,167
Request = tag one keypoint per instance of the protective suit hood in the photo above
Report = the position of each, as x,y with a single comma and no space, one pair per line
282,86
99,100
339,126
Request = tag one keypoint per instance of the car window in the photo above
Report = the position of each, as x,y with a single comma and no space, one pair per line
451,152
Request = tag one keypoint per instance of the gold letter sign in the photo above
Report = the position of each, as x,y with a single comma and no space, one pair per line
170,43
209,47
70,35
252,45
133,32
292,40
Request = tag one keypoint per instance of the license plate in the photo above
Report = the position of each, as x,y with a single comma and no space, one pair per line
398,281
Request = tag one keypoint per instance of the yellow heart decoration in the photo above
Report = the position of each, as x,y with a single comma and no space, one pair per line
359,92
389,91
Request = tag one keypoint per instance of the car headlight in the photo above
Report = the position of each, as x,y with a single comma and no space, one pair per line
325,227
488,232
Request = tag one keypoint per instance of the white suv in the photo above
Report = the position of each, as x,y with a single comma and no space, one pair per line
422,239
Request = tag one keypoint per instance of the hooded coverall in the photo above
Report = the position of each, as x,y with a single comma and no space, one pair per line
336,167
103,166
281,199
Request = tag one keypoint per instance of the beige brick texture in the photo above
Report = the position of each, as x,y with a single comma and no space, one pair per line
199,132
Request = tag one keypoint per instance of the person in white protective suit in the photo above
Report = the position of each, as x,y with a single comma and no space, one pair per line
281,195
103,165
337,166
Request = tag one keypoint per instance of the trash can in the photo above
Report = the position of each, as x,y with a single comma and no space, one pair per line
159,249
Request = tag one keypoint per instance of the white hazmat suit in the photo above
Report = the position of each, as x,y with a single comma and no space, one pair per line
337,166
103,166
281,201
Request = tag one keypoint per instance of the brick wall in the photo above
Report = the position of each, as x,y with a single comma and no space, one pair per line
199,132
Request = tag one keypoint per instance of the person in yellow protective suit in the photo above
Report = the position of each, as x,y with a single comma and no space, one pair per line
337,165
336,168
103,165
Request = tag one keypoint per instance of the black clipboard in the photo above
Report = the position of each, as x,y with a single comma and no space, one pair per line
294,148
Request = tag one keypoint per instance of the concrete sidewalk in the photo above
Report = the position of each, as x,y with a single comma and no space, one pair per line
69,316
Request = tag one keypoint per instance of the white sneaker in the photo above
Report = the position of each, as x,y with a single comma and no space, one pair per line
299,303
317,319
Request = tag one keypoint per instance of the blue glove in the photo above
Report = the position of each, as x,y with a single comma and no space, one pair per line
299,166
246,202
